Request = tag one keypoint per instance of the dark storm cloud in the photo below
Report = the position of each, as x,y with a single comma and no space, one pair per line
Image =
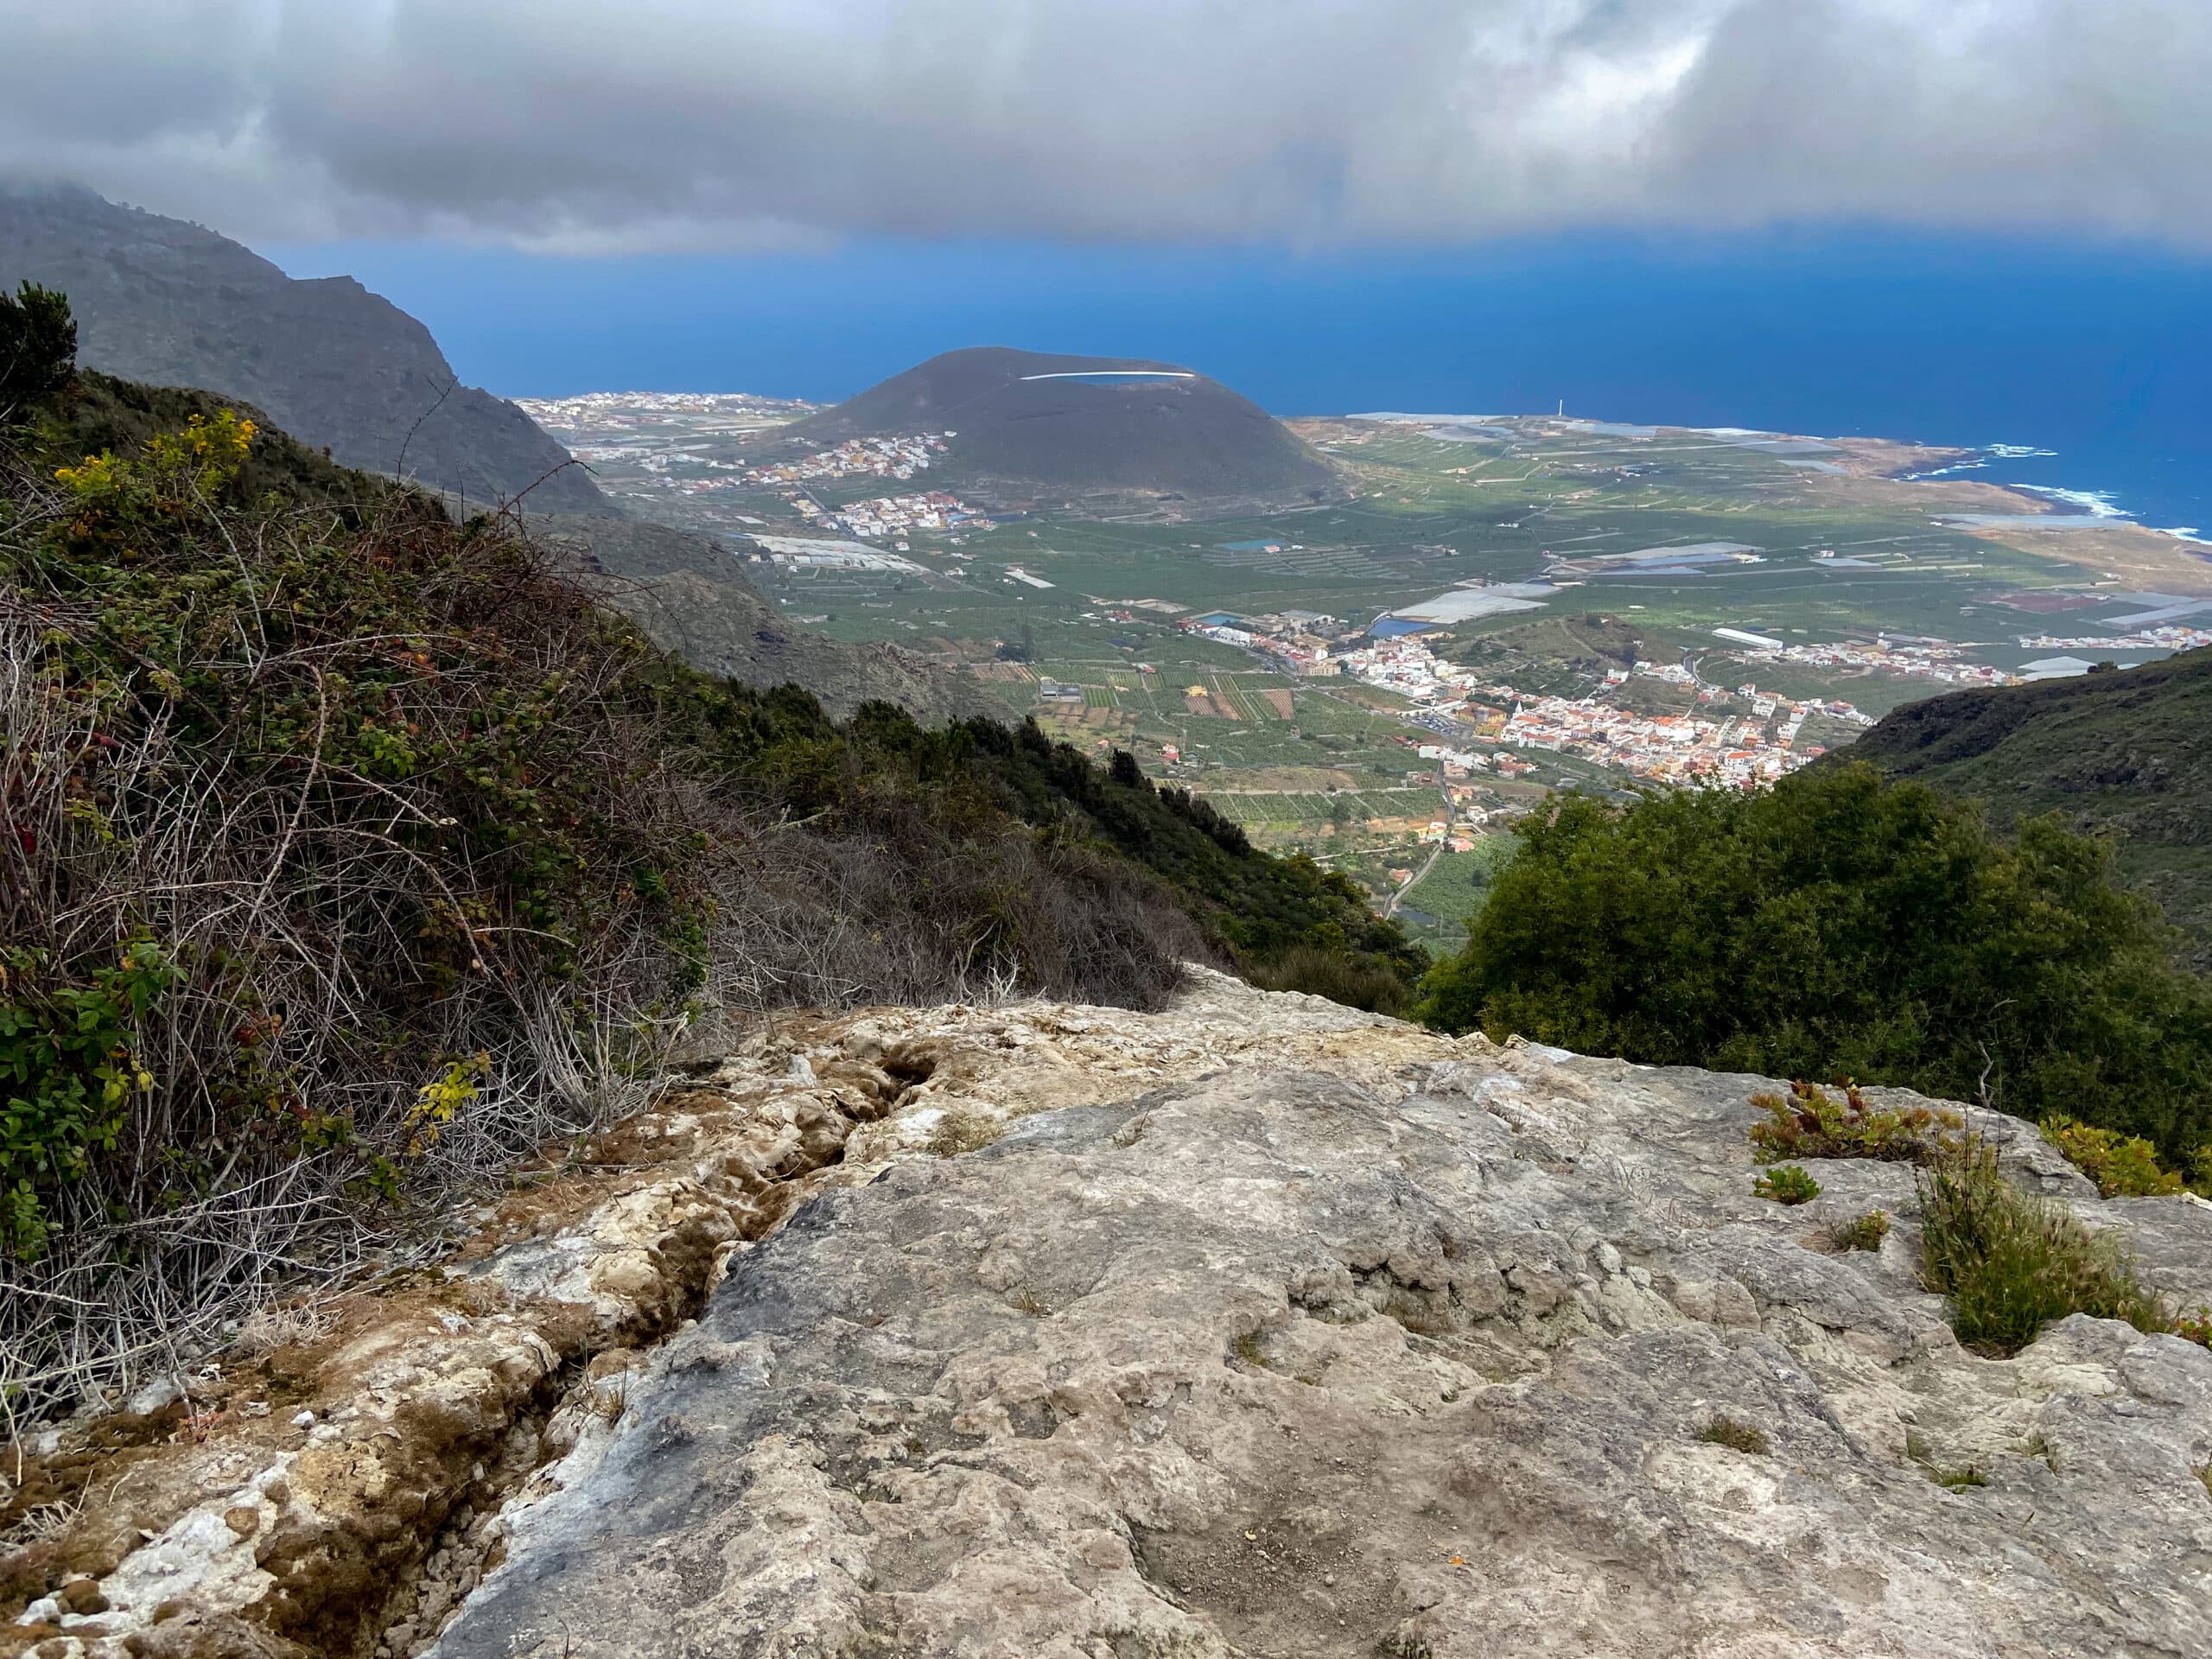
673,124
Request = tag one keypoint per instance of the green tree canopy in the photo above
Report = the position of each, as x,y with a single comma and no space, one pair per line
38,348
1842,925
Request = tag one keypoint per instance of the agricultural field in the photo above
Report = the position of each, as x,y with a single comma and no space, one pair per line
1593,549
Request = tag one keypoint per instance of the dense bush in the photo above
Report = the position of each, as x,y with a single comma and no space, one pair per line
38,348
1841,924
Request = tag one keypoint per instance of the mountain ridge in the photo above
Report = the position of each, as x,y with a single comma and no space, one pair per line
163,302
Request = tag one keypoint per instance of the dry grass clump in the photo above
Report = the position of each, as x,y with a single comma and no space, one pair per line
1736,1435
1864,1232
1955,1477
958,1132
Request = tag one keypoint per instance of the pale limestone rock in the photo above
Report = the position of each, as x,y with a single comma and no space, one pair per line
1266,1329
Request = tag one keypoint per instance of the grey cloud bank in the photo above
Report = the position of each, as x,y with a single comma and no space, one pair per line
678,125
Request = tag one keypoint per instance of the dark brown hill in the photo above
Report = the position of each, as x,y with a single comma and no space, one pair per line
168,303
1029,424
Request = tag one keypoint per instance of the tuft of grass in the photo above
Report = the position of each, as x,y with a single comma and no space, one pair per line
1812,1123
959,1132
1787,1184
2122,1165
1737,1436
2012,1262
1956,1477
1864,1232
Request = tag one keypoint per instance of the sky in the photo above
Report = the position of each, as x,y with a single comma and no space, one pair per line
1846,214
664,125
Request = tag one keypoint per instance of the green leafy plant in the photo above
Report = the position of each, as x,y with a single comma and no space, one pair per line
1812,1123
1736,1435
1787,1184
68,1069
2012,1262
2122,1165
38,348
1864,1232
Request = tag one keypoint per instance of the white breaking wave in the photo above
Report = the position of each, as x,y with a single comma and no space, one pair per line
2014,451
2098,504
2187,533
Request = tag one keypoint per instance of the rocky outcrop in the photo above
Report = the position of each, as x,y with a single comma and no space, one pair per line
1255,1327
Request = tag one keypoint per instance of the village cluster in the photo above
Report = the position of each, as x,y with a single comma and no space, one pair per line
2162,638
899,458
890,515
1297,642
1661,747
1941,662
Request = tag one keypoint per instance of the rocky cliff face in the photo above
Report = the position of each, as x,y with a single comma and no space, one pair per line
166,303
1255,1327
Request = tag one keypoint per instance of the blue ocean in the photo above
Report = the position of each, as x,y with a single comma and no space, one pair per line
2079,367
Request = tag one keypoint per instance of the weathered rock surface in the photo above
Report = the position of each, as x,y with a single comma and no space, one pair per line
1313,1361
1257,1327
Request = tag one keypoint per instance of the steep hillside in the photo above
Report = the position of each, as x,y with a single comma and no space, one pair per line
1183,439
346,851
691,595
168,303
2129,752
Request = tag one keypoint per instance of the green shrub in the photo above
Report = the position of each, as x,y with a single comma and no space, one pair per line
1736,1435
2122,1165
1787,1184
2012,1262
1841,924
38,348
68,1069
1812,1123
1864,1232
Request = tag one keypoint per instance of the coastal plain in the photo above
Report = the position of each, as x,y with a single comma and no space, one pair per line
1374,678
